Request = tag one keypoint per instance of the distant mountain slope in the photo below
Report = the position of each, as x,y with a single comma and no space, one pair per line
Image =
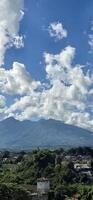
44,133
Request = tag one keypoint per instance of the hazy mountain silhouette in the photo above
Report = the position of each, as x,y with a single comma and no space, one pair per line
43,133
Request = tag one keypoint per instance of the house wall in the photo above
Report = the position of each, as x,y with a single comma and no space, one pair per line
43,186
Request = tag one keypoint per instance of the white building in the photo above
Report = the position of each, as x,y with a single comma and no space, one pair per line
43,185
80,166
83,168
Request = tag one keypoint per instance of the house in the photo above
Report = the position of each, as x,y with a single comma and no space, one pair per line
42,190
43,185
83,168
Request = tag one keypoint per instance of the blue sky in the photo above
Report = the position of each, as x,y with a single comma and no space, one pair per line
76,17
33,54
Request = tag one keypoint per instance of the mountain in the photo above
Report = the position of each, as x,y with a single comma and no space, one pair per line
43,133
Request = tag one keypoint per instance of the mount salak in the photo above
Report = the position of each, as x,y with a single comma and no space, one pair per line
43,133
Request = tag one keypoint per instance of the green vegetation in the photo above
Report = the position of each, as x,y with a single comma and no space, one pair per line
17,175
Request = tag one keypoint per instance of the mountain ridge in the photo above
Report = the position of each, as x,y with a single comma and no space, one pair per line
43,133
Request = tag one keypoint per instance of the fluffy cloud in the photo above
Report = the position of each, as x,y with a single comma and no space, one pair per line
56,64
57,30
66,96
67,93
16,81
11,13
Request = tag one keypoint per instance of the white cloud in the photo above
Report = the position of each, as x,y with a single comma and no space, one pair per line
16,80
10,16
57,30
67,96
56,64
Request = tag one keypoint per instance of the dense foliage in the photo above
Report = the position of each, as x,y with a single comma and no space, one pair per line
16,175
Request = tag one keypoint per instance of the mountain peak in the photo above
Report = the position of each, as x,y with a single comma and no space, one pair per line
42,133
10,119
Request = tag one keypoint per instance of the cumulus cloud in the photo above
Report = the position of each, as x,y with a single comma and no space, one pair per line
11,13
67,93
16,80
57,30
66,96
56,64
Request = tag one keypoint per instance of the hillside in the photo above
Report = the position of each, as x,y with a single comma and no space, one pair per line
43,133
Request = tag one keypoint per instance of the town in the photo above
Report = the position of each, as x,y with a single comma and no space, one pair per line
44,174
